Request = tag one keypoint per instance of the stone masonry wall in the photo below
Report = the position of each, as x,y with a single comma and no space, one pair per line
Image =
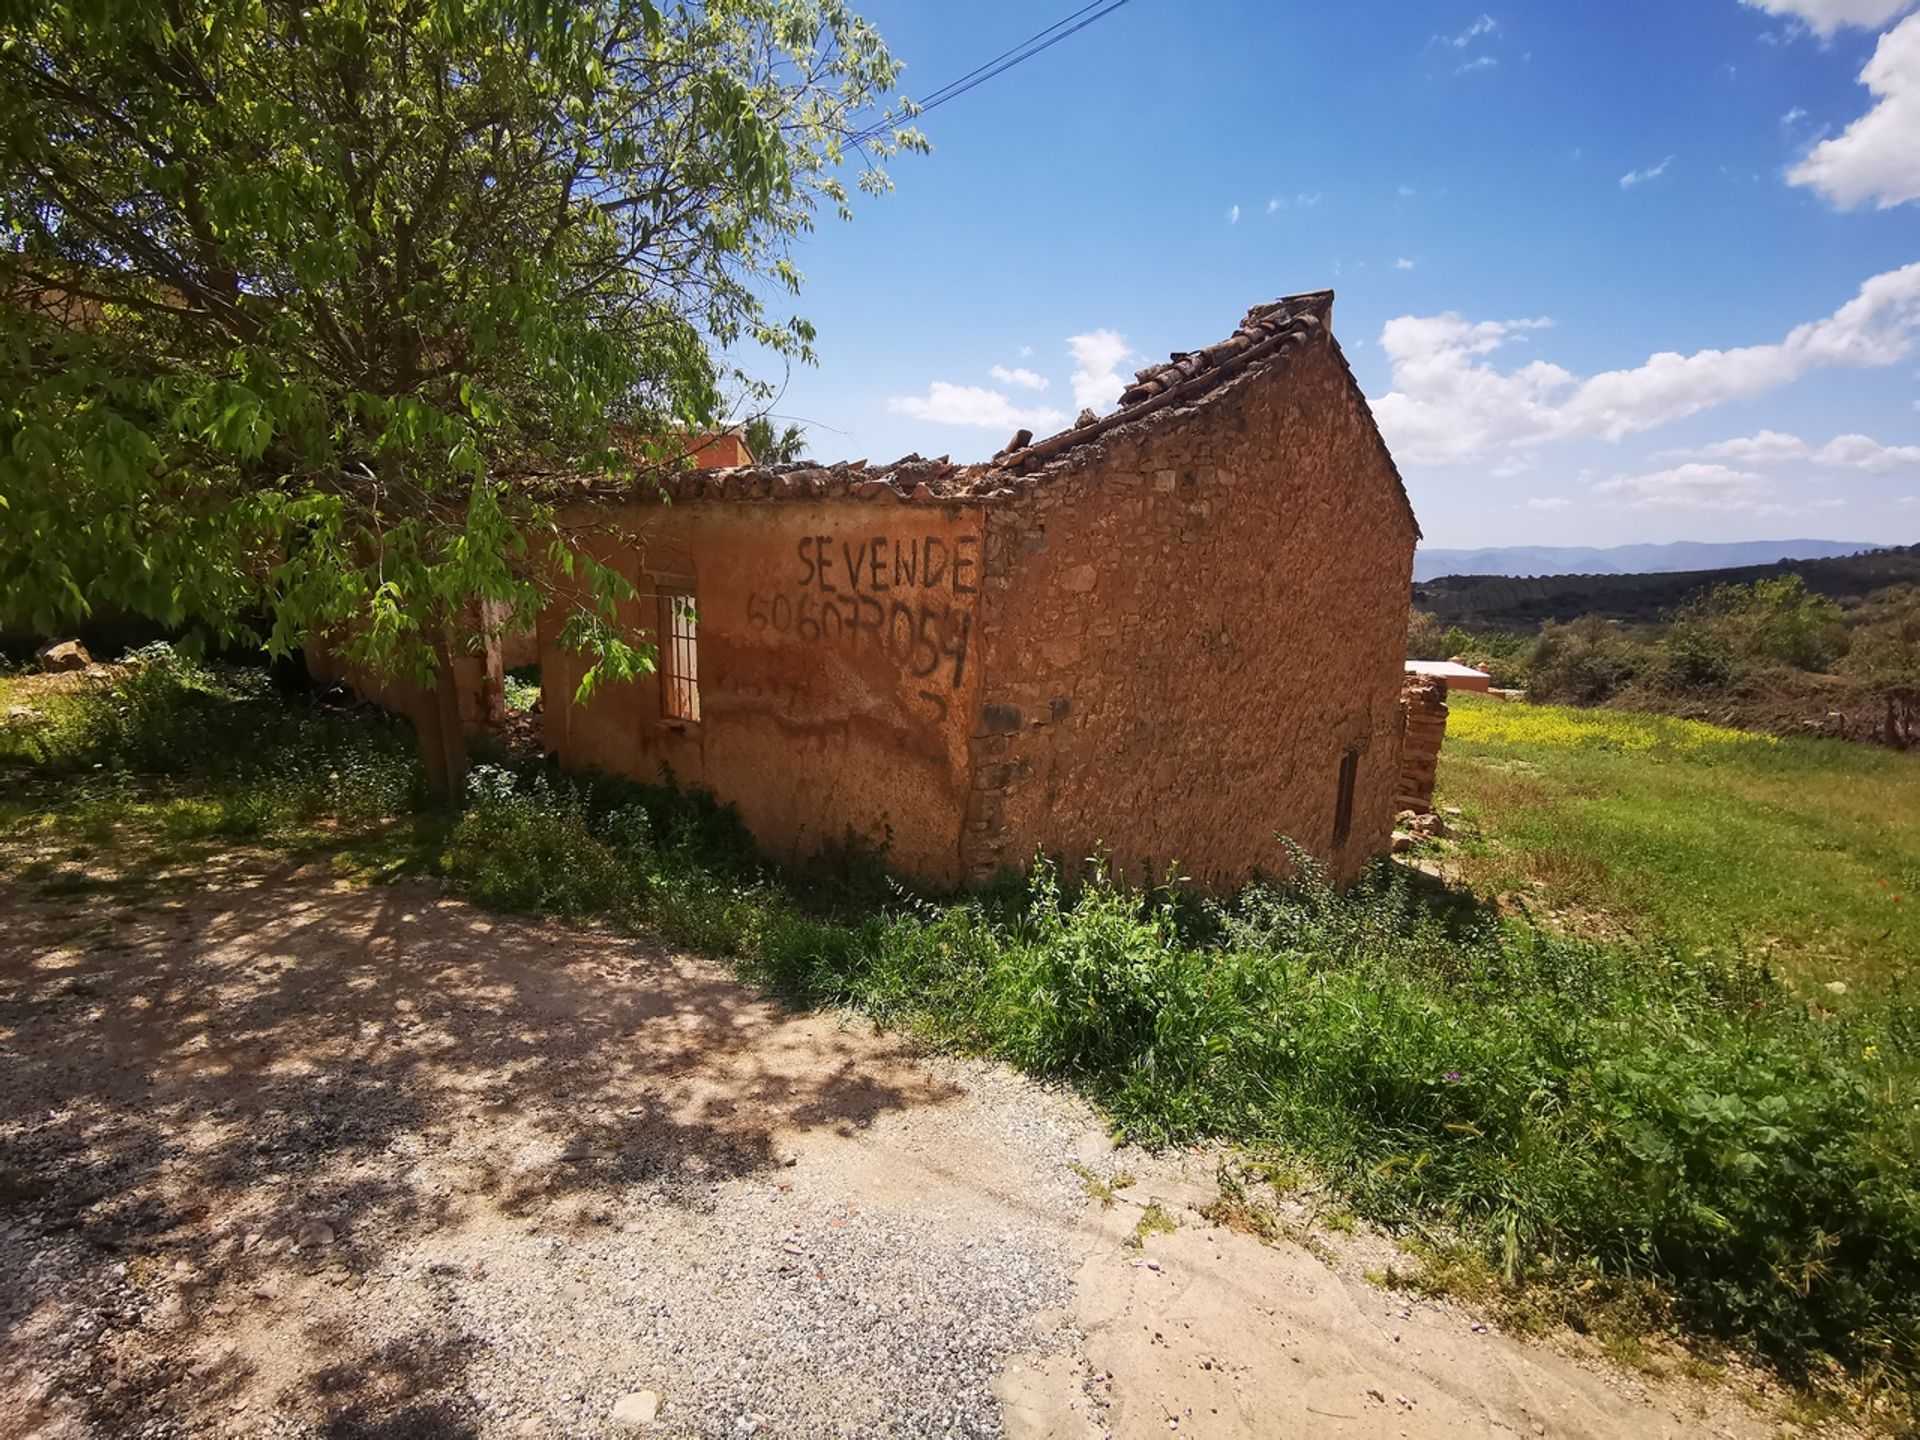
1186,627
1425,704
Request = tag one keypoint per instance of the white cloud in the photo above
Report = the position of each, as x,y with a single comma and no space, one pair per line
1449,403
1793,117
1858,452
1844,452
1026,351
1486,28
1485,25
1404,264
1307,199
1769,447
1877,157
1908,501
1640,177
1691,487
1827,16
1407,192
1021,376
1233,215
1098,382
1549,502
949,404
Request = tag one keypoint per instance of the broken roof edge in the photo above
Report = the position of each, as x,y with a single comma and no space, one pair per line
1269,333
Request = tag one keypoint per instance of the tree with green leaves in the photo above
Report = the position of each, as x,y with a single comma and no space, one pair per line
300,303
1776,622
774,446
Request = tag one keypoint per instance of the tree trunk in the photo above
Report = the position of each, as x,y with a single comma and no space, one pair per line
443,740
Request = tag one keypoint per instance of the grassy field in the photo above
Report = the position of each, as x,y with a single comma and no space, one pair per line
1617,1131
1803,852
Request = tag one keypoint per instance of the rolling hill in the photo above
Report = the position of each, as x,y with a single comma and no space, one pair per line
1521,603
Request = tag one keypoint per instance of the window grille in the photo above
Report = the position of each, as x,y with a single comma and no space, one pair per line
1343,801
679,657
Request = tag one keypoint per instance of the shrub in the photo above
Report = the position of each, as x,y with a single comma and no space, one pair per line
163,713
533,845
1584,662
1425,639
1619,1112
1564,1104
1776,622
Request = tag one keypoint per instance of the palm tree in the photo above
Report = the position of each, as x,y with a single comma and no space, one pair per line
773,447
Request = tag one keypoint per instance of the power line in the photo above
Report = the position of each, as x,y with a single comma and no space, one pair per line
1007,60
935,97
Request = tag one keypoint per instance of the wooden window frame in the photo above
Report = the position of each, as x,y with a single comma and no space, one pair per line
679,668
1343,797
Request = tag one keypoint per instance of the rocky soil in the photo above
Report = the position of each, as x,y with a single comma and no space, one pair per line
283,1156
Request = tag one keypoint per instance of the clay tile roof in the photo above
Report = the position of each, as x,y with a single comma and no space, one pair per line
1267,334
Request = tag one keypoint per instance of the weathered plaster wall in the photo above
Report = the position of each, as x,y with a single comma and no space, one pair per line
1186,627
838,669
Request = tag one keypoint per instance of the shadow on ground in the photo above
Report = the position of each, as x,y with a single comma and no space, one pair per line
214,1094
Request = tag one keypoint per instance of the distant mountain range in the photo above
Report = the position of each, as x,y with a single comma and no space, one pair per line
1623,559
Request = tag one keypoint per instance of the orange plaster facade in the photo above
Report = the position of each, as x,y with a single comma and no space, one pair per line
837,670
1083,648
1087,646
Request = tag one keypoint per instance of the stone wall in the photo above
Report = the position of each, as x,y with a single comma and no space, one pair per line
1425,704
1188,624
838,668
1172,635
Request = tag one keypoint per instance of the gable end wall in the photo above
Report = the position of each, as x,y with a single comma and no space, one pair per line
1187,629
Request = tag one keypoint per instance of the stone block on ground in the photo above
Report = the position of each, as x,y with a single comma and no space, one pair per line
64,655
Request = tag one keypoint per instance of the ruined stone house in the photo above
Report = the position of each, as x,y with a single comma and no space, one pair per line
1091,643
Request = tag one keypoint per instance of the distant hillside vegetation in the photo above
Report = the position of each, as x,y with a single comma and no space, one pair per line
1430,564
1522,605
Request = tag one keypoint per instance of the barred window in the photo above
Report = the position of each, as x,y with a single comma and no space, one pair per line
679,657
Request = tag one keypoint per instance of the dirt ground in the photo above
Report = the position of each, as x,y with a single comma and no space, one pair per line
284,1156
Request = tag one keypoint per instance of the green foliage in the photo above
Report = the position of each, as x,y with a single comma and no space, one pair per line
548,843
521,689
1770,622
1638,1111
298,301
1425,639
771,446
1622,1113
1885,655
1502,655
276,764
1728,636
1583,663
536,845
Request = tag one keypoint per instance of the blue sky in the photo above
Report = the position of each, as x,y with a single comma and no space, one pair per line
1639,270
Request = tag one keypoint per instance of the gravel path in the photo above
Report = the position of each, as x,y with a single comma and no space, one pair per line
281,1156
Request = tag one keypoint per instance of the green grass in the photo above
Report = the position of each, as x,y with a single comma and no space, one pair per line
1803,851
1585,1118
